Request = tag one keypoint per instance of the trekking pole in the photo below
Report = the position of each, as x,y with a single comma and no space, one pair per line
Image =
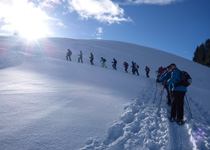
188,107
155,92
161,97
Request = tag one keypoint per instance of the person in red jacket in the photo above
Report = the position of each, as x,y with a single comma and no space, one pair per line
147,71
126,66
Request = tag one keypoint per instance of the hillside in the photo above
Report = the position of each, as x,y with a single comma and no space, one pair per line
50,103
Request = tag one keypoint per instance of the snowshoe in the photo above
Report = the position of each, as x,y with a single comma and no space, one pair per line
181,122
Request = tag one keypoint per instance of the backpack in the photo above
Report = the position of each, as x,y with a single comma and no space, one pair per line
186,80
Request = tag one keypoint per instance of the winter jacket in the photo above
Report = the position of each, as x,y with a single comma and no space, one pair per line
103,60
175,78
114,61
165,76
147,69
91,56
125,64
80,54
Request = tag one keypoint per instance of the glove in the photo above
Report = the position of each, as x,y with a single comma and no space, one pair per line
158,81
164,83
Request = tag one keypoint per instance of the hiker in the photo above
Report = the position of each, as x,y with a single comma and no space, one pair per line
160,71
133,67
163,78
103,60
80,57
147,71
126,66
137,69
114,63
178,93
91,58
68,55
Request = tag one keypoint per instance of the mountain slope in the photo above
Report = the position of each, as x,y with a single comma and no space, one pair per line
49,103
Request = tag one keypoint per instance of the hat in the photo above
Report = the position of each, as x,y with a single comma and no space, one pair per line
172,64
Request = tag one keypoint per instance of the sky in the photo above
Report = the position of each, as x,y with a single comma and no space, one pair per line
174,26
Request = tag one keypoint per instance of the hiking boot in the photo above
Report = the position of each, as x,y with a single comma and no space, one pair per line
172,119
180,121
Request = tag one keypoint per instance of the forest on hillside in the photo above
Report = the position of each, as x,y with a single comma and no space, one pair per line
202,53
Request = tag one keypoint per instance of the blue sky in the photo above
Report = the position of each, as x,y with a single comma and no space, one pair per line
174,26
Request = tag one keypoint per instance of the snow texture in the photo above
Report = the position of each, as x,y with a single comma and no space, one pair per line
49,103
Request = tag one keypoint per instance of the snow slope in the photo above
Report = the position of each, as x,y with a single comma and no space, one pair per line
49,103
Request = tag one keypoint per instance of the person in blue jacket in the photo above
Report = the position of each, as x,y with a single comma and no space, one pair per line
103,60
163,78
178,93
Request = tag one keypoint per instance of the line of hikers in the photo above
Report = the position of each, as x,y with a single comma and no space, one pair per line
175,82
134,66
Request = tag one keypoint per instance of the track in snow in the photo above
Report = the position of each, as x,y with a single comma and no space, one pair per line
139,127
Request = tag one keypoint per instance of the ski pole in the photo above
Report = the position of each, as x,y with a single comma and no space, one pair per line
155,92
161,97
188,107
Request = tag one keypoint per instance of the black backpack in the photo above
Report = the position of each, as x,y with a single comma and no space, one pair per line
186,80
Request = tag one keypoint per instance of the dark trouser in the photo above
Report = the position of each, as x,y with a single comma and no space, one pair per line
126,69
147,73
133,70
68,57
80,59
137,72
91,61
168,95
114,66
177,104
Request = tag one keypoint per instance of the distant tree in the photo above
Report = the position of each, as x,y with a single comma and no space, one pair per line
202,54
207,48
195,58
199,55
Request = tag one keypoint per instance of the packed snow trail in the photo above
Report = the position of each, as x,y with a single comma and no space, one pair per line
141,128
138,128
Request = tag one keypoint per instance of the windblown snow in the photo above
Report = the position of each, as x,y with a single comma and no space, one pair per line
49,103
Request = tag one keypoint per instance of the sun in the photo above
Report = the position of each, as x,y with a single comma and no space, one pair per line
32,28
29,21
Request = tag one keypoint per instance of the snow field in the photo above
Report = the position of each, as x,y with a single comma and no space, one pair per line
49,103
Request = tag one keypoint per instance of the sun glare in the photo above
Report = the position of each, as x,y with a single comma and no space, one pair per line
28,20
